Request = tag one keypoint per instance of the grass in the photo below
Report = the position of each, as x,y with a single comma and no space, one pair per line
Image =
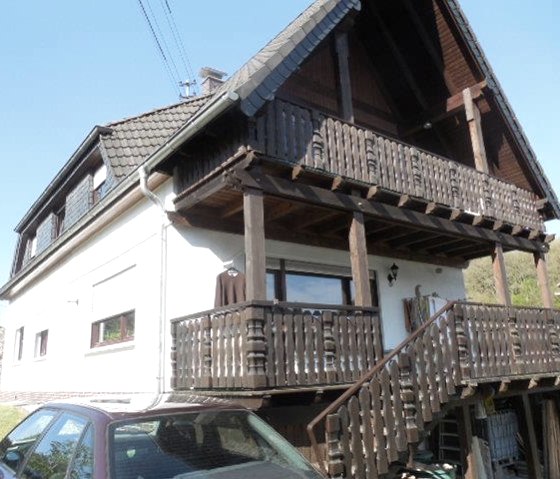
9,417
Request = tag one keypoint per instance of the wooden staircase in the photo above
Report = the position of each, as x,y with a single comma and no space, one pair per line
383,417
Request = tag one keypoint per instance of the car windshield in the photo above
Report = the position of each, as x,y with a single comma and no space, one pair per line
209,444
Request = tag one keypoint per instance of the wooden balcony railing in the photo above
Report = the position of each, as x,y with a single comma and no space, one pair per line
376,420
267,345
308,137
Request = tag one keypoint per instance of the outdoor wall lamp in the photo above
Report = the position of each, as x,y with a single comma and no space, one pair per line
392,276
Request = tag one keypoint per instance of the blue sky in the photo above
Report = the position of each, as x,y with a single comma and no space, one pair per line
69,65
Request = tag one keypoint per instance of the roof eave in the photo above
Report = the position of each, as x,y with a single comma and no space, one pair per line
479,57
88,142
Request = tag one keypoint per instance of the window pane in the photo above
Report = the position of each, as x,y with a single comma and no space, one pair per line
53,453
82,466
206,444
14,447
271,287
313,289
111,330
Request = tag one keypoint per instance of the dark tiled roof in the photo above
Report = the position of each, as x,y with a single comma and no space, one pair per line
257,80
133,140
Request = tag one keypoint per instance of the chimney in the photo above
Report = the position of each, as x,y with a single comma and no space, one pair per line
212,79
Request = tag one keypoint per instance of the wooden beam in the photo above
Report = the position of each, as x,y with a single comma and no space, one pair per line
544,279
255,257
500,275
201,194
232,210
527,429
475,128
341,45
359,260
453,105
330,199
429,44
281,210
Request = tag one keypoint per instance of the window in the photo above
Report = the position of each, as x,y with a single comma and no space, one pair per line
41,343
16,445
317,288
18,350
60,215
115,329
99,178
31,247
51,458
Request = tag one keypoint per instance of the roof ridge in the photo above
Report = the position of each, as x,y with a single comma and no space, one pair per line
157,110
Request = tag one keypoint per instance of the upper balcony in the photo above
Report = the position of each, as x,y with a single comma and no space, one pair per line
394,171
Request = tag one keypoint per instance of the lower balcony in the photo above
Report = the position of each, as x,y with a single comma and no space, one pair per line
263,345
266,345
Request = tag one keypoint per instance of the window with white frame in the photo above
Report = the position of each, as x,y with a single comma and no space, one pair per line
99,179
18,349
41,340
114,309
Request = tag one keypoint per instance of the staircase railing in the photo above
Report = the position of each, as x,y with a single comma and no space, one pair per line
374,421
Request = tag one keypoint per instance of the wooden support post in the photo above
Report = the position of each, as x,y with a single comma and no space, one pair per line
475,128
255,258
341,41
500,275
359,260
544,280
465,435
527,429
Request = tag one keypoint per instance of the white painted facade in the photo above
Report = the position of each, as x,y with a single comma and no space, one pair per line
132,264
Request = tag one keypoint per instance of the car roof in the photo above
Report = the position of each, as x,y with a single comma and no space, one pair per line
123,406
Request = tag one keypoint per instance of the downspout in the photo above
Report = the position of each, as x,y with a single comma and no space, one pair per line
162,320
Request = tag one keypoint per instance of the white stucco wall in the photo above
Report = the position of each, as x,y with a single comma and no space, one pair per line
62,301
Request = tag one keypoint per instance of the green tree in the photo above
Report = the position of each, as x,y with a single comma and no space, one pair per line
522,278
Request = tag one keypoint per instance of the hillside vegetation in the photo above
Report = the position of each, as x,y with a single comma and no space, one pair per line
522,278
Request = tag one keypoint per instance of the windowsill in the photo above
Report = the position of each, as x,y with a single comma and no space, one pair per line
111,348
40,358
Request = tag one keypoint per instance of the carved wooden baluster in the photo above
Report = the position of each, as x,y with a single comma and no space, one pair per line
372,158
329,346
255,348
206,377
408,397
462,344
174,365
417,175
318,141
553,340
516,348
335,463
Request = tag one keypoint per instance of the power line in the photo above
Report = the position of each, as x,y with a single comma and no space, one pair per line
160,49
177,38
162,36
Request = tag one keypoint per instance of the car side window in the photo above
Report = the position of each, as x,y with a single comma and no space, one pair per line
55,450
15,446
82,465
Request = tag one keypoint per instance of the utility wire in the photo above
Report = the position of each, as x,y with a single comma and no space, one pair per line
160,49
161,35
177,38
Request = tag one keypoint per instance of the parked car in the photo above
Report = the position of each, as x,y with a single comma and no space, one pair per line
141,437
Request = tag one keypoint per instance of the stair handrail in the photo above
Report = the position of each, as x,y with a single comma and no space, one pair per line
366,377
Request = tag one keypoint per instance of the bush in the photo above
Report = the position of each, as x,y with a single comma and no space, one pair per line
9,417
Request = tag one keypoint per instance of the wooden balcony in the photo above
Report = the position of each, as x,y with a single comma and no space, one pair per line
460,348
316,141
263,345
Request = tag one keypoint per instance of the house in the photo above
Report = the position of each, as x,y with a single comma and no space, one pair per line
260,242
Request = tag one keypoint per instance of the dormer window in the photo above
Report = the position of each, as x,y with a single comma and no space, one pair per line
32,246
99,179
60,215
